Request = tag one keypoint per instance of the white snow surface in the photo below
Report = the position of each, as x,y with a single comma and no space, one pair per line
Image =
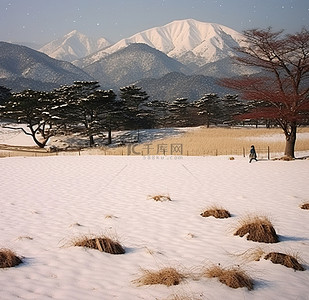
46,202
208,42
73,45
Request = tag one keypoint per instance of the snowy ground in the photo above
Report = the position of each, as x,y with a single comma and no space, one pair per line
44,200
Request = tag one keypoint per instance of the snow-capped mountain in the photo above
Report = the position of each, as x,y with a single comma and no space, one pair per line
23,68
132,63
73,45
189,41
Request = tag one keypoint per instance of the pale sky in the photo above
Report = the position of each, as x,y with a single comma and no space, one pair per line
41,21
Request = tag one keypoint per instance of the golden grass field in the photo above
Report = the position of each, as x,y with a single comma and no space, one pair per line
200,142
216,141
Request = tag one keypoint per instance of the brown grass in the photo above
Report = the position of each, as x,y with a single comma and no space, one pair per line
286,260
217,212
252,254
199,141
305,206
101,243
257,229
8,258
160,198
220,141
232,277
168,276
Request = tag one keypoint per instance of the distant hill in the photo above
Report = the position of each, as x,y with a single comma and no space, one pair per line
137,61
176,85
224,68
22,67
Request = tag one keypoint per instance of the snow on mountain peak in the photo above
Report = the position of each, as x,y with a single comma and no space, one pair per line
73,45
184,40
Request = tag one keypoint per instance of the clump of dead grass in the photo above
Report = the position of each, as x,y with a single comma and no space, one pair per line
160,198
168,276
257,229
305,206
217,212
102,243
286,260
8,258
233,277
252,254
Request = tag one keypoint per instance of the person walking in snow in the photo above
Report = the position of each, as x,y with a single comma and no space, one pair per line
252,154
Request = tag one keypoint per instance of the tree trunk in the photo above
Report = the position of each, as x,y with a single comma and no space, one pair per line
91,141
40,144
109,137
290,142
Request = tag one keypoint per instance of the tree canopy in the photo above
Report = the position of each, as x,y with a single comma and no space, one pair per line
282,84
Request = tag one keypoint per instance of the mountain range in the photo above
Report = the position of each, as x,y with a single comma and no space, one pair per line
73,46
189,41
23,68
187,47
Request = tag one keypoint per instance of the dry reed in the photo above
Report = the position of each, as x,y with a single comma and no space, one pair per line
305,206
8,258
160,198
286,260
233,277
101,243
217,212
168,276
252,254
257,229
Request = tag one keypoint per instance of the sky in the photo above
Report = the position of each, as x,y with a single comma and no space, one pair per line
41,21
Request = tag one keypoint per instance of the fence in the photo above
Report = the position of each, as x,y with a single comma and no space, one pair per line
263,153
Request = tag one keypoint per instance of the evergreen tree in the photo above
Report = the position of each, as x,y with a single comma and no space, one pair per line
5,94
208,108
83,104
180,112
35,109
135,112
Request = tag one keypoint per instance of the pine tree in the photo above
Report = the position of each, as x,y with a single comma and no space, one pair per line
208,108
135,112
35,109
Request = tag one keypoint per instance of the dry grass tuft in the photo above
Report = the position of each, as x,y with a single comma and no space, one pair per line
217,212
252,254
101,243
305,206
160,198
257,229
232,277
232,158
167,276
286,260
8,258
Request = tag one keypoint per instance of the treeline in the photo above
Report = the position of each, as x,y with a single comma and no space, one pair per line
82,108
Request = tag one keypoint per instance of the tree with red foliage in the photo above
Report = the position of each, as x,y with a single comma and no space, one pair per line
284,85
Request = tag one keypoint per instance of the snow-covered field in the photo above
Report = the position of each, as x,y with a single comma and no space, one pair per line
46,202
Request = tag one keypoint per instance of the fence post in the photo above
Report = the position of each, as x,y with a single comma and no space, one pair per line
268,153
244,151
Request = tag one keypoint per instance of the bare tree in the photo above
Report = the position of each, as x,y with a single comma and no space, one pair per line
284,85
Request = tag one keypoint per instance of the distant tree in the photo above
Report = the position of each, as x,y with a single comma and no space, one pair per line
35,109
158,113
134,102
5,94
284,84
85,109
208,108
180,113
